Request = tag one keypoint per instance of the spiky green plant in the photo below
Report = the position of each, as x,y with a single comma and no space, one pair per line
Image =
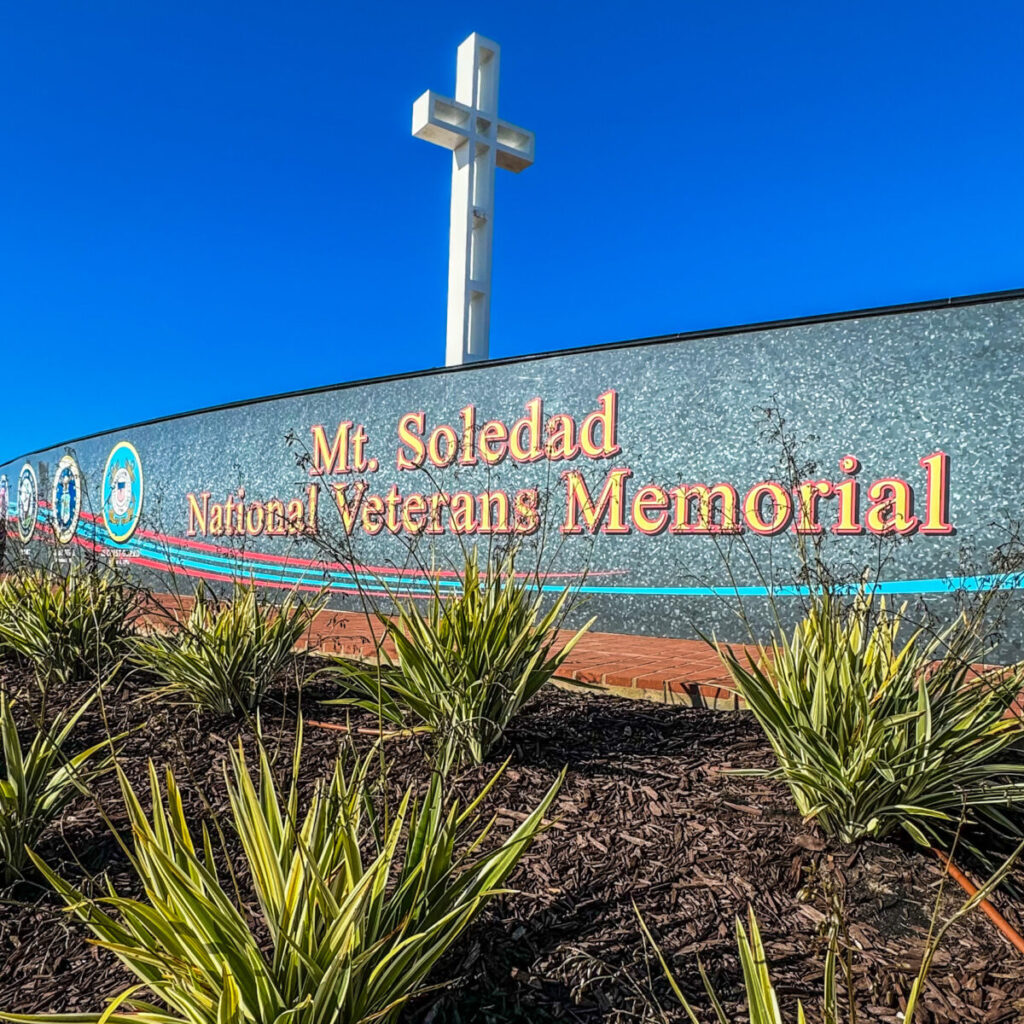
469,661
342,937
874,732
37,782
227,654
763,1003
70,627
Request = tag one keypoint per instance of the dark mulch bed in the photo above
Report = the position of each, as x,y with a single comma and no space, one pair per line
648,815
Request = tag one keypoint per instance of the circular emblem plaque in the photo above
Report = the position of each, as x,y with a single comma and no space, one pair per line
122,492
28,502
67,499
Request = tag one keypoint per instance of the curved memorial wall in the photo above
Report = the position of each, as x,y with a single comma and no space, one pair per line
662,478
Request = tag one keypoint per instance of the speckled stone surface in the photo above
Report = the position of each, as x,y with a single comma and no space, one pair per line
889,389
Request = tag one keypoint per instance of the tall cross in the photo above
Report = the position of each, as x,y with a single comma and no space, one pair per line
469,126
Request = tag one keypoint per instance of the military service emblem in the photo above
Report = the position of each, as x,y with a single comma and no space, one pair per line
122,492
28,503
67,499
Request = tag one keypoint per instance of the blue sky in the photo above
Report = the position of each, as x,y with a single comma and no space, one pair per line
204,202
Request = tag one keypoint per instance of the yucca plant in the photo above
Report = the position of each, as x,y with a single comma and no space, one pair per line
762,1001
469,661
875,732
227,654
341,938
37,782
69,627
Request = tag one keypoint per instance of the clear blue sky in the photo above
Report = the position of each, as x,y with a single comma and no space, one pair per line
204,202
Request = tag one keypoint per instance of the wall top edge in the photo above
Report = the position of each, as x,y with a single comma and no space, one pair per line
981,298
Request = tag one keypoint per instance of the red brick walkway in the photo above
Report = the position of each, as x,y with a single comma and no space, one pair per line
680,671
655,668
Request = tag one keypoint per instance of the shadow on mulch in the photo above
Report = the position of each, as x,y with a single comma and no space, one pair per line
648,815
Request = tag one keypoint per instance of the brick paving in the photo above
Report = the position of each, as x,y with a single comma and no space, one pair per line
677,671
652,668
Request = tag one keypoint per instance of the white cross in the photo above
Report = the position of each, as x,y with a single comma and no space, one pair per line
479,141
